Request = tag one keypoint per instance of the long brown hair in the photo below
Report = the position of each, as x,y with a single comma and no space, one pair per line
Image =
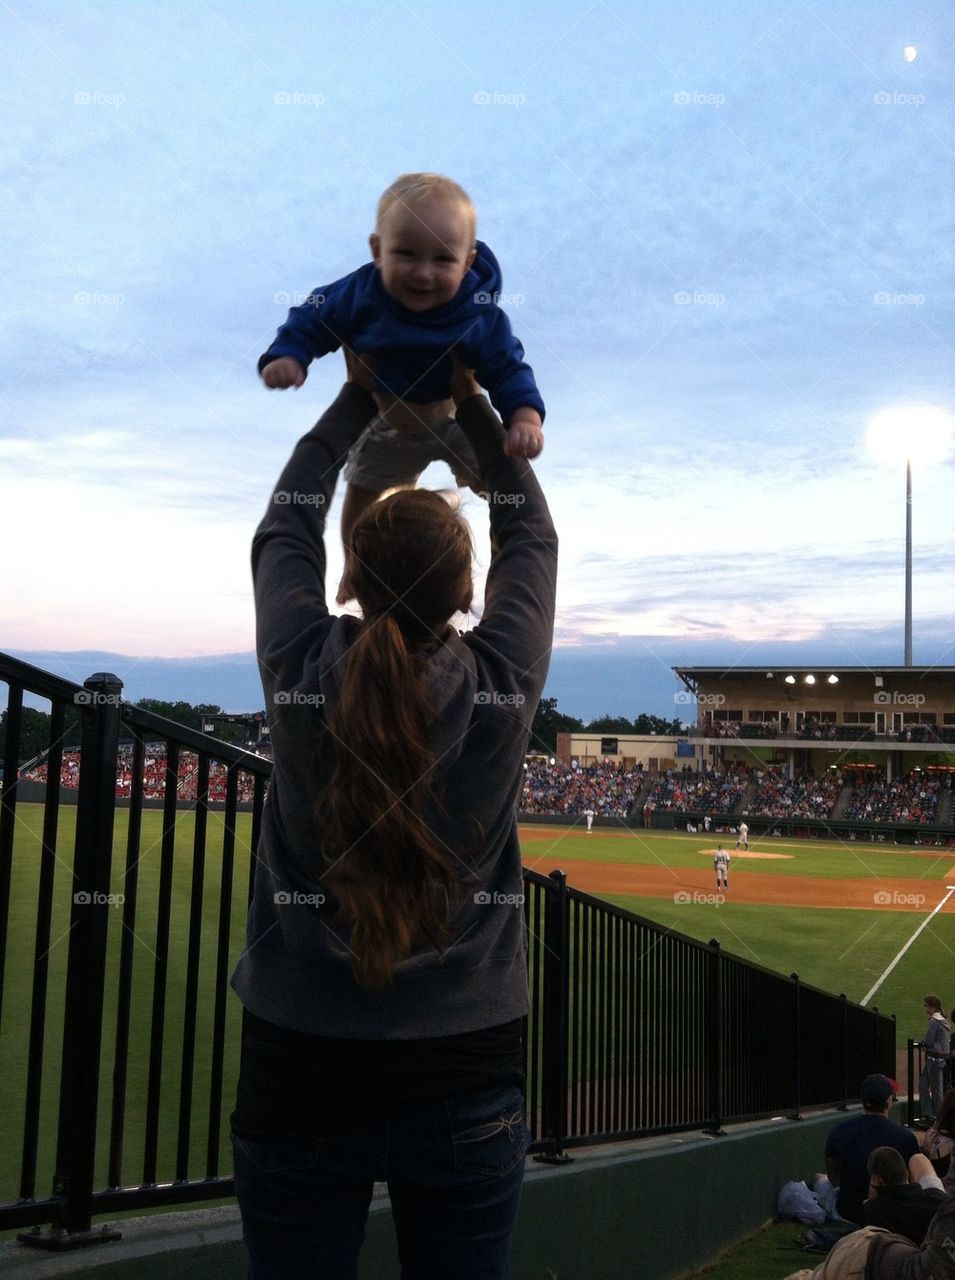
408,564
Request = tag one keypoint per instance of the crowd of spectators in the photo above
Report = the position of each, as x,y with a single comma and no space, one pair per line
913,798
817,729
607,789
713,791
154,775
721,728
805,796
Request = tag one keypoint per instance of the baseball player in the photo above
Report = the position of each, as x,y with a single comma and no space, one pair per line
589,815
721,865
743,838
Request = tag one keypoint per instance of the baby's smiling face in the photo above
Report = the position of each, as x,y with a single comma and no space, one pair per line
423,251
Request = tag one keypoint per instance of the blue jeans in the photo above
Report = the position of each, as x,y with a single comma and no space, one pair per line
454,1171
931,1087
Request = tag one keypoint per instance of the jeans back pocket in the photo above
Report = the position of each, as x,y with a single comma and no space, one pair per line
488,1131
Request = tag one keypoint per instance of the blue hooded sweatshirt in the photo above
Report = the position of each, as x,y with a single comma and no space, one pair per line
410,348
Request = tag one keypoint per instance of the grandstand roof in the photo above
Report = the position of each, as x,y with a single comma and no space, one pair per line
773,668
688,674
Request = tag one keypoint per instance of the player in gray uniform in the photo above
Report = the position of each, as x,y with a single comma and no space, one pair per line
721,865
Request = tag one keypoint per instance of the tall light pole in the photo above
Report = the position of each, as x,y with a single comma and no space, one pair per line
922,433
908,562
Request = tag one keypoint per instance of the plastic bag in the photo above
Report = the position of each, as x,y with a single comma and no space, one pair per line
797,1201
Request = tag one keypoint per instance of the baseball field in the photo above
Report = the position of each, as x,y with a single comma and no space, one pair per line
874,921
867,919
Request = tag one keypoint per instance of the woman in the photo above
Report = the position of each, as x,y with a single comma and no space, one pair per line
384,976
939,1141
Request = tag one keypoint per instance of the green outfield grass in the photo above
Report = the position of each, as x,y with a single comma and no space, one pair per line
838,950
826,859
19,978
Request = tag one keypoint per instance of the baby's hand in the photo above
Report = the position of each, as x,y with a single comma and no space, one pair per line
524,439
282,373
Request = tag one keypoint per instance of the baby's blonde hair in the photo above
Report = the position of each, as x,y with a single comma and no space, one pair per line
415,188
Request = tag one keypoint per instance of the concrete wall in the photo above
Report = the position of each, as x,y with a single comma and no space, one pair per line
654,1208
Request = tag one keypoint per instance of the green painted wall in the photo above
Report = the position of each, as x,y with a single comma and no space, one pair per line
653,1209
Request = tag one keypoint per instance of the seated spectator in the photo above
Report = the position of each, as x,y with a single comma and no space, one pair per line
876,1254
843,1188
939,1141
904,1200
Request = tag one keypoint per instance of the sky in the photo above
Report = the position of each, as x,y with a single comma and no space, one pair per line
726,237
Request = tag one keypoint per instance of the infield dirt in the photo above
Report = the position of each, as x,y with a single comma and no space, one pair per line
657,881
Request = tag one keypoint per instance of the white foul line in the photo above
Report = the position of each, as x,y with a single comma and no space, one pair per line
868,996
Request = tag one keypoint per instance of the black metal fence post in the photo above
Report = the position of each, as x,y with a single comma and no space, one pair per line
797,1056
715,1055
910,1072
86,969
555,1046
844,1104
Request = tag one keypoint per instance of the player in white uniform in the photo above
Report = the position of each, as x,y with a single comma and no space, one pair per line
743,836
721,865
589,815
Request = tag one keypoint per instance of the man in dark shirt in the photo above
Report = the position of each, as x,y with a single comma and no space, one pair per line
852,1141
903,1200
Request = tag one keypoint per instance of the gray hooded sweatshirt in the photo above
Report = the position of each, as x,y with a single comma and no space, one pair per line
484,686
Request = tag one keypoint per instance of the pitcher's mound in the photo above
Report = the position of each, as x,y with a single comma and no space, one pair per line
743,853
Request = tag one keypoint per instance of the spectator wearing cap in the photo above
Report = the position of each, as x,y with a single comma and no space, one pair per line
842,1190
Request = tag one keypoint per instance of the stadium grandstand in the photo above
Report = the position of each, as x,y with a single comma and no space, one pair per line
841,744
155,773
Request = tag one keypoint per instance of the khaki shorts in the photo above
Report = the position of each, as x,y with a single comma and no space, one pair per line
384,458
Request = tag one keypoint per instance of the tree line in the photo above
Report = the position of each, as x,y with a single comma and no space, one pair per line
548,722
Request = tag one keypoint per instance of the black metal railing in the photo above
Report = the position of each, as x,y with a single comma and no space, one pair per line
644,1031
120,924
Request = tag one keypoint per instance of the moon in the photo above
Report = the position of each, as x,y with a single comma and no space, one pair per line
910,53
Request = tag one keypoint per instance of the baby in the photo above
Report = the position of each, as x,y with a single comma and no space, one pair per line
431,287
